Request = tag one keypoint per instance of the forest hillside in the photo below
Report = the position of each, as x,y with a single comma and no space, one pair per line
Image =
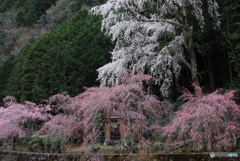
171,71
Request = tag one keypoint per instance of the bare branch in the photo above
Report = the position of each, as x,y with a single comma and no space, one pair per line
172,10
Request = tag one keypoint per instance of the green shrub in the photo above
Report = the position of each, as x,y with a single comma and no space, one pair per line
37,141
158,146
53,144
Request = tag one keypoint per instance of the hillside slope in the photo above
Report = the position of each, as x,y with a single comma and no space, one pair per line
65,59
22,20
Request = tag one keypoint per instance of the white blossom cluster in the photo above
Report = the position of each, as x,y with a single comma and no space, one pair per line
147,40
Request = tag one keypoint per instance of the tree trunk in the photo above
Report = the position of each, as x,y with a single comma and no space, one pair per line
230,70
13,143
211,72
43,148
188,43
234,142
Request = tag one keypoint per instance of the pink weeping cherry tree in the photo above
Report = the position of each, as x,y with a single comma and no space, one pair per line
207,122
96,104
83,116
65,124
20,120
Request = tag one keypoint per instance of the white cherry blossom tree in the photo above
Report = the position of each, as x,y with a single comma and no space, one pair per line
152,36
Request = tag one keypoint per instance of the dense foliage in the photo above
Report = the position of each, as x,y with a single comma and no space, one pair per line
232,35
232,31
22,20
64,59
34,10
5,70
28,11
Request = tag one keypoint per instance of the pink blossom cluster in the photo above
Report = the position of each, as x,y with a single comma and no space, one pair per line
204,121
19,120
84,115
96,104
8,100
207,121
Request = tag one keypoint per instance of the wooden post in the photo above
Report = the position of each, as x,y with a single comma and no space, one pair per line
122,130
107,131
